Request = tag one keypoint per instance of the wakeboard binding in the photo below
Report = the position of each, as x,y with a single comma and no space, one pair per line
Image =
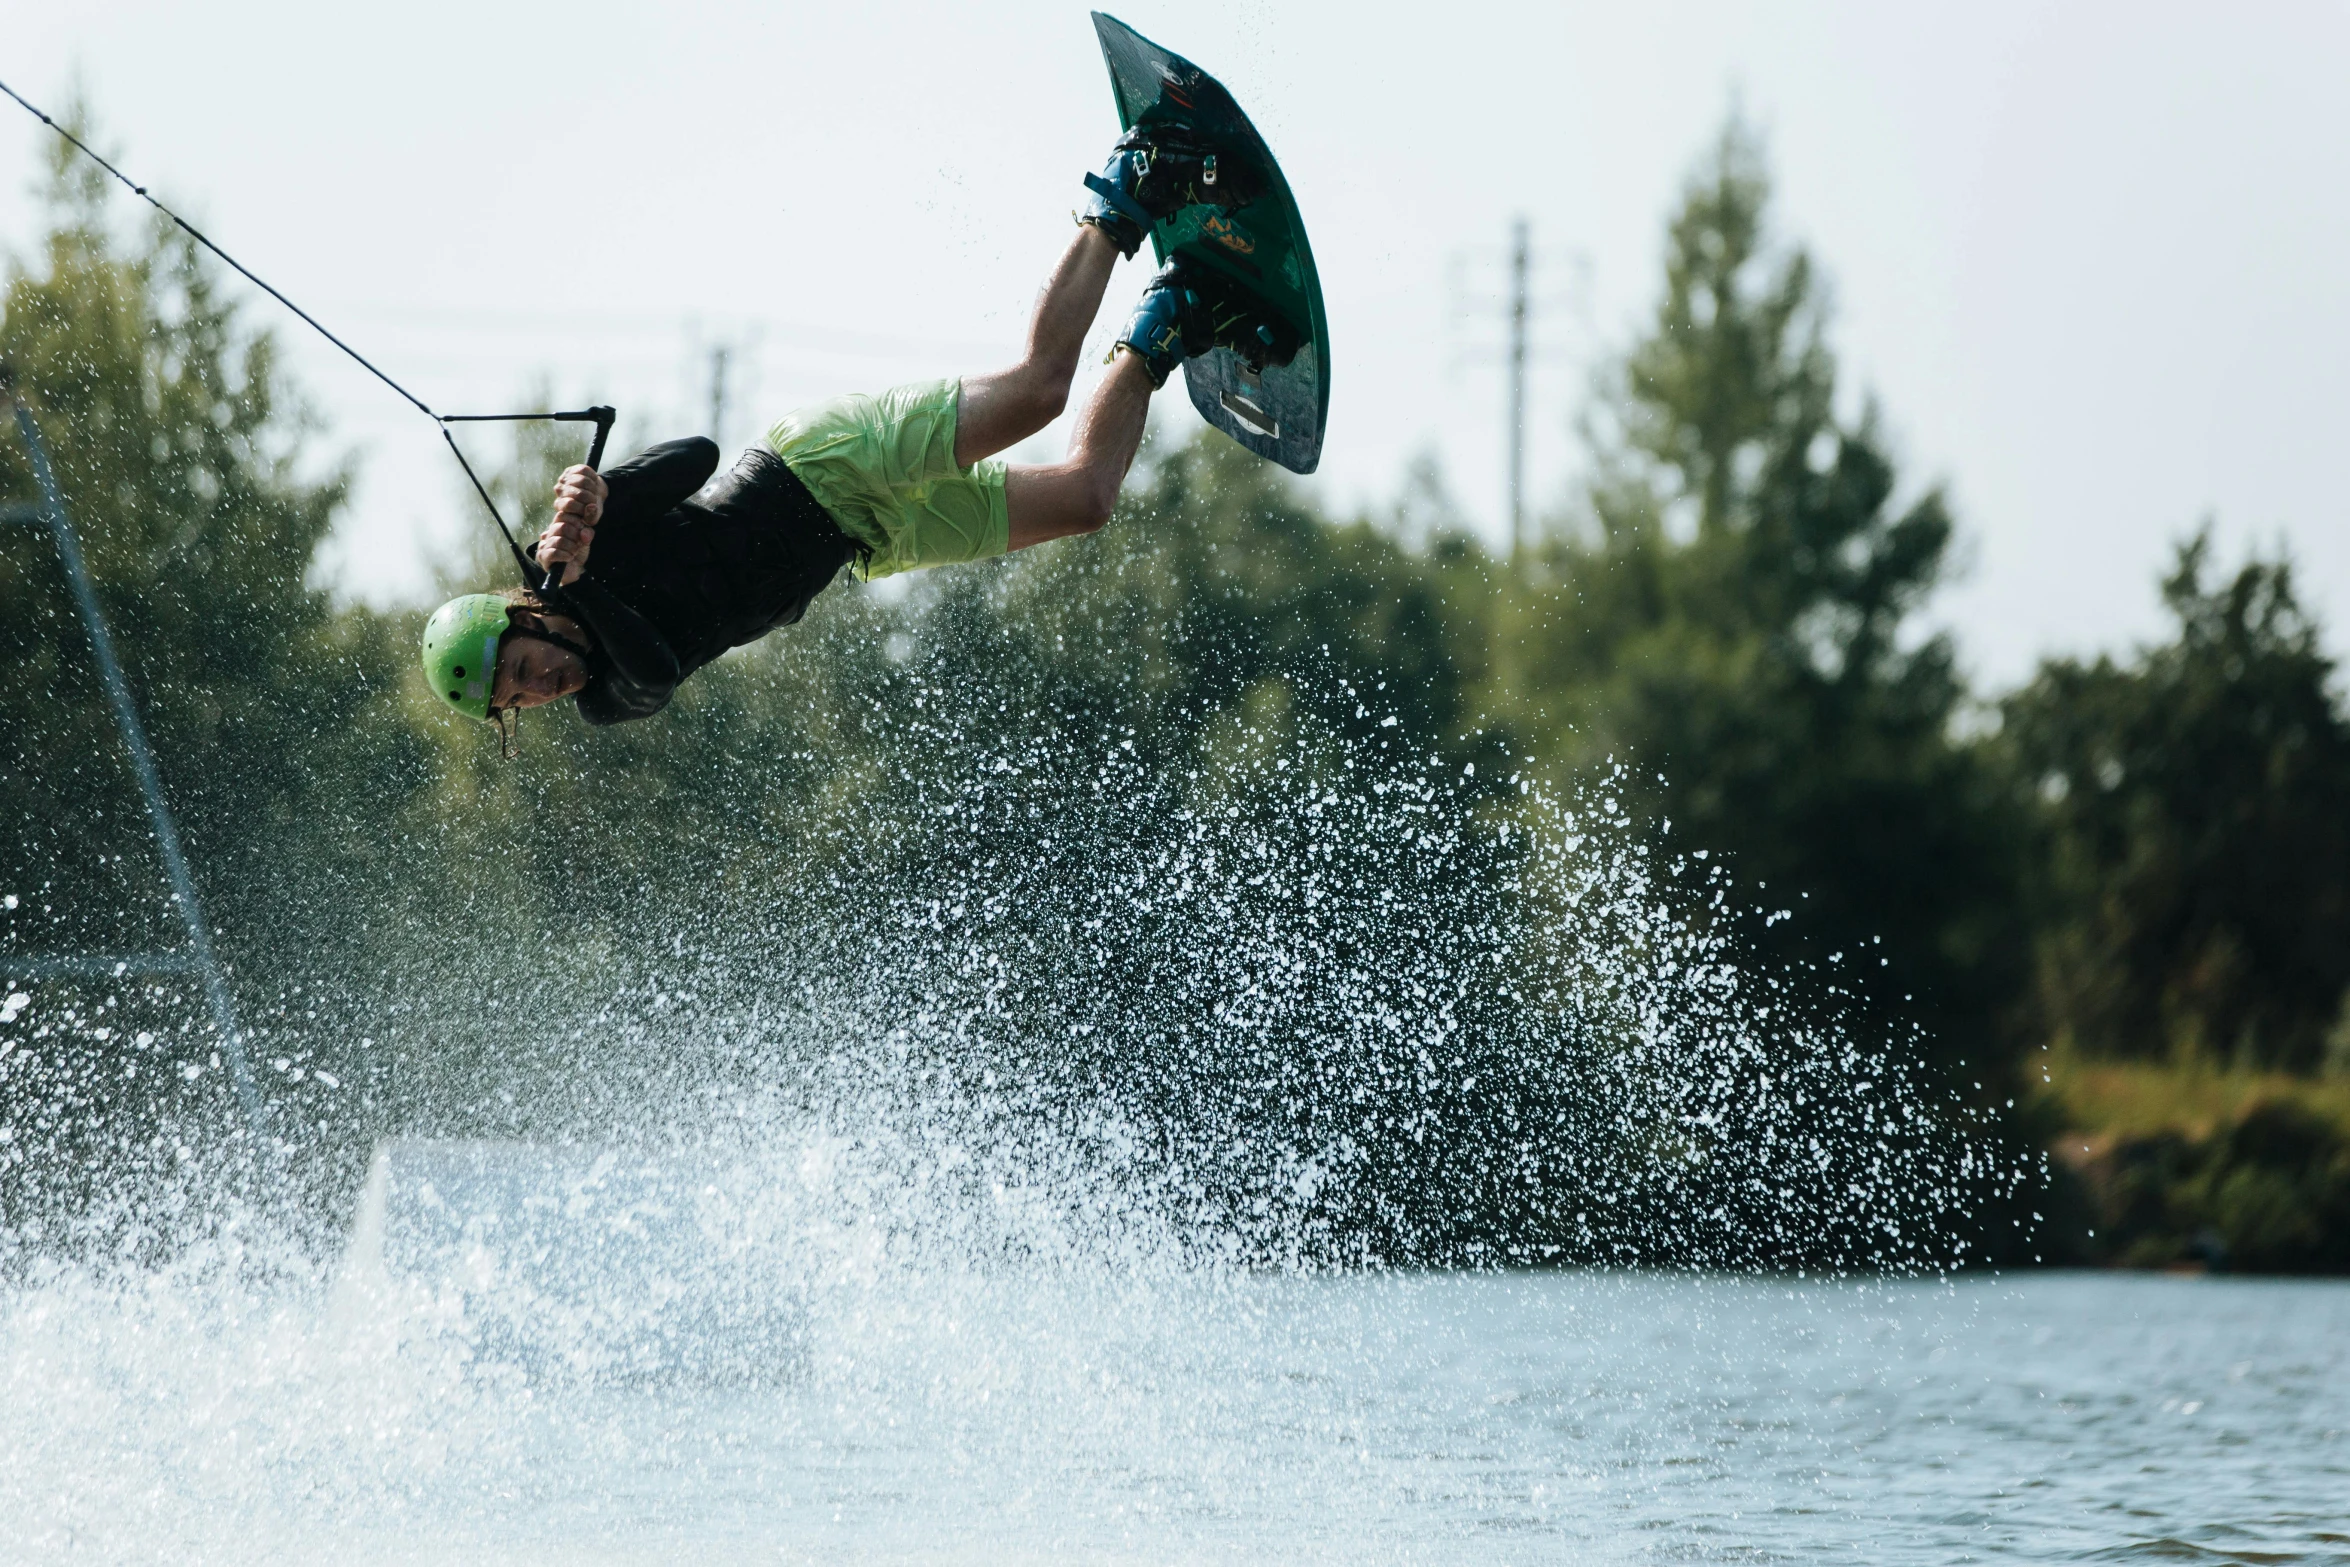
1157,170
1189,310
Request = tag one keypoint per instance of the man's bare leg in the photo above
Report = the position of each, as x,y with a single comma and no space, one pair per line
1075,496
1009,406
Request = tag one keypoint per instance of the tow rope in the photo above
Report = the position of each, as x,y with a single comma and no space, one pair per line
600,416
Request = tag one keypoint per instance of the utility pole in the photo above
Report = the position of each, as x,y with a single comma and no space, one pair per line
1514,310
197,957
1519,311
718,356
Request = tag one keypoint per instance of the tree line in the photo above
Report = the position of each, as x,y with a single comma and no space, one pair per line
2139,857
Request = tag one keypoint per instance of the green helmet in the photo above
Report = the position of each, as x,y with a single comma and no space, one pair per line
461,651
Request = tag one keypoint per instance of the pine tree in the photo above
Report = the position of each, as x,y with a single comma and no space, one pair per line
179,455
1735,622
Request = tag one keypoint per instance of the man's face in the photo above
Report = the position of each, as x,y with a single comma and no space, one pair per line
532,673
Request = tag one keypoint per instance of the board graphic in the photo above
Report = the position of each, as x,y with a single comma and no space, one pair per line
1276,402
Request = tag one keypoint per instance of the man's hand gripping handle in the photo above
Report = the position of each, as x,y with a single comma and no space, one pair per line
579,506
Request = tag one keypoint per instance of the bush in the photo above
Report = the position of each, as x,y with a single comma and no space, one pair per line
2267,1192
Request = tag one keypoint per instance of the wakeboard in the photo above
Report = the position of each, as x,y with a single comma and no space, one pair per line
1272,398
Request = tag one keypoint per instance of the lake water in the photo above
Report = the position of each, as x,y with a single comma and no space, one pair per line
909,1227
1072,1414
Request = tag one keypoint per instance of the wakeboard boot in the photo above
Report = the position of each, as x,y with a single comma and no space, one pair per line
1188,310
1155,171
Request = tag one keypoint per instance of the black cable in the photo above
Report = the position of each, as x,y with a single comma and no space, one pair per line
602,416
198,236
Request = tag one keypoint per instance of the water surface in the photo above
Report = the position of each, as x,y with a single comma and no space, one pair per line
985,1416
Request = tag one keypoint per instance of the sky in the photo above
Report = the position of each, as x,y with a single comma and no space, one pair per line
2086,258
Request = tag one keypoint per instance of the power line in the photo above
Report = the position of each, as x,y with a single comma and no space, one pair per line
806,336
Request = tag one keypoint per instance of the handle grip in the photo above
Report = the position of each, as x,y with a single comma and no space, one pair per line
603,417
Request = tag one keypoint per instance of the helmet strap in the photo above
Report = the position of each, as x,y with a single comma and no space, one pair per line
504,718
536,634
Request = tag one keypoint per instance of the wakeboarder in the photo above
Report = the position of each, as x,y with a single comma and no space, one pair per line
650,571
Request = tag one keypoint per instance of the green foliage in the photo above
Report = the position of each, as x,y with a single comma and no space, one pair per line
177,453
1217,579
1735,622
2196,892
2268,1191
